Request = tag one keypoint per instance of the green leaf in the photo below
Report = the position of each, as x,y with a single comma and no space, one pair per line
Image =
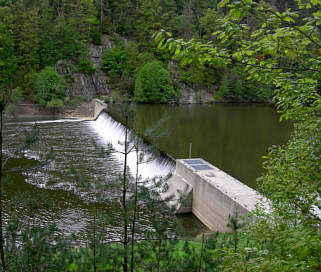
178,49
223,3
289,19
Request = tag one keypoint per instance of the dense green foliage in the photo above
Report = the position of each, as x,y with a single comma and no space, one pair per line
115,61
49,88
273,46
153,84
85,66
8,60
282,51
122,63
38,34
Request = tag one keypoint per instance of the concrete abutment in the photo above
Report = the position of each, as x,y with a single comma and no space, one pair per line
210,194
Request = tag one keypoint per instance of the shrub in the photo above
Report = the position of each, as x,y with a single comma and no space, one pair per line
11,109
55,103
95,36
237,89
193,75
153,84
85,66
114,62
75,100
49,88
107,100
27,81
224,88
69,78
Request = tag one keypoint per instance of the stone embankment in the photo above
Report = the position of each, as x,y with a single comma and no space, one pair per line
83,111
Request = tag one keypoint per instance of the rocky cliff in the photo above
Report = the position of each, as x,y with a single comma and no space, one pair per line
88,86
83,85
188,94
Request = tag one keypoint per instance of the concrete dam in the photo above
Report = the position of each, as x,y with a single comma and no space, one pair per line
210,194
196,186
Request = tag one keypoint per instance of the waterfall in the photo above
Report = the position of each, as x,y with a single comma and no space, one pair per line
113,132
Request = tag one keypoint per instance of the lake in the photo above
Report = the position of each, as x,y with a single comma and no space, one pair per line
232,137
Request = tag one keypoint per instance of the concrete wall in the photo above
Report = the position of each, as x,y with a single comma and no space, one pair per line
25,111
99,106
215,194
84,111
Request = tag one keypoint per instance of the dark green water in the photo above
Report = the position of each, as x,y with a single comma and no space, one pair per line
232,137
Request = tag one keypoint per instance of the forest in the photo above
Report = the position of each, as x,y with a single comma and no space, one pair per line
36,35
238,51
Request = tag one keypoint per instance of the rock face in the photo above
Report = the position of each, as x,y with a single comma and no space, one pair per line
188,94
86,86
96,52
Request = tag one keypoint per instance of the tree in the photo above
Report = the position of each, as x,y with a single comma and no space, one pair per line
49,88
209,23
8,66
153,84
8,60
7,96
282,52
115,61
27,36
138,211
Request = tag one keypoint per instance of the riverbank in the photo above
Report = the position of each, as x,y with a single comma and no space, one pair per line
84,111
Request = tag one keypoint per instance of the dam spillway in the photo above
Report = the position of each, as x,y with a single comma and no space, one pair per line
113,132
210,194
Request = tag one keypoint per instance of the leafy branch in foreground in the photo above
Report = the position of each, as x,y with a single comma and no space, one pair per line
281,51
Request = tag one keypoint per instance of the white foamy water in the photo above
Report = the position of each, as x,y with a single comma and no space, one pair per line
113,132
45,121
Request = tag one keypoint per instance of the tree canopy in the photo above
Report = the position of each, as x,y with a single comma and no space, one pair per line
49,88
282,50
153,84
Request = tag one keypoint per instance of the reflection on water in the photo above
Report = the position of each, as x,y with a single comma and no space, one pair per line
232,137
71,205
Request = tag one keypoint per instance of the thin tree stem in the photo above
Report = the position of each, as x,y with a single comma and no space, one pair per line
134,215
95,214
201,255
4,268
158,255
125,238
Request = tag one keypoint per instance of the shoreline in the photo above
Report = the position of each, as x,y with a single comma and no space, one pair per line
89,111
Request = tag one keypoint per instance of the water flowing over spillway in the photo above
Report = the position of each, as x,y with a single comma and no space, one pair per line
71,141
113,132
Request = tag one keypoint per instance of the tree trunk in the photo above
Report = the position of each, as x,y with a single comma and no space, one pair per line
101,16
125,239
134,216
201,255
4,269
